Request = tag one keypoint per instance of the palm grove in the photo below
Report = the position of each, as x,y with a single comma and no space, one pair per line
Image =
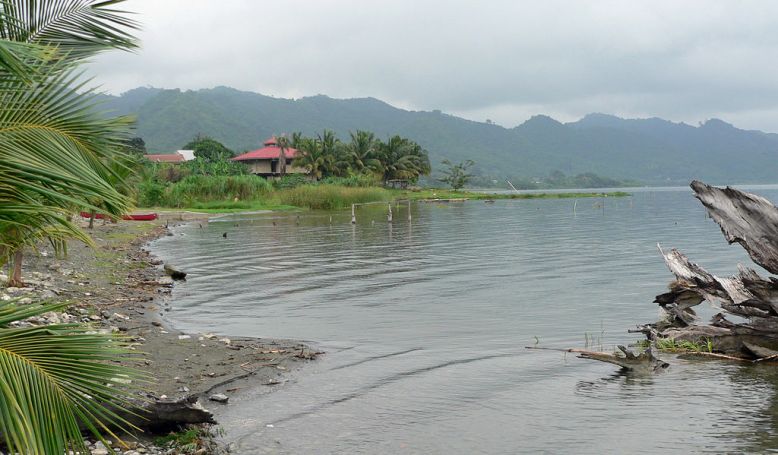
58,155
396,159
331,164
324,155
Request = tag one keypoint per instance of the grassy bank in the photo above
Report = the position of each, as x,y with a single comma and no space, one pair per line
247,193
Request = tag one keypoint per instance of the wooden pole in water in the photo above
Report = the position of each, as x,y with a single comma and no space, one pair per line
409,210
389,216
353,215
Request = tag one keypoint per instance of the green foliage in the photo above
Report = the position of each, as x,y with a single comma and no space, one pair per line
456,175
325,156
201,188
329,197
151,193
291,181
354,180
317,157
208,149
201,166
672,345
135,146
402,159
58,154
188,441
55,379
166,172
362,152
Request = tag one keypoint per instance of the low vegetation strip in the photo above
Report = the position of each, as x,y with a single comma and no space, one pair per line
246,193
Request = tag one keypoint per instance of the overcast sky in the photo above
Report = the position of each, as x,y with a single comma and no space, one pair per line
500,60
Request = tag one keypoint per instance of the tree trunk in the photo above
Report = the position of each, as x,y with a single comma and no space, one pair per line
282,163
16,274
91,219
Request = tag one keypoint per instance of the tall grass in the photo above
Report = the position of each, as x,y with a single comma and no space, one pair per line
205,188
328,197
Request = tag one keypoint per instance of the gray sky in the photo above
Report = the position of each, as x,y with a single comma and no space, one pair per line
502,60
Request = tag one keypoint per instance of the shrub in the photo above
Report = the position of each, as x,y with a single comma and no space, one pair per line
150,193
171,172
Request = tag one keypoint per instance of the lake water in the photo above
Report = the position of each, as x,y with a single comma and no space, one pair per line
424,324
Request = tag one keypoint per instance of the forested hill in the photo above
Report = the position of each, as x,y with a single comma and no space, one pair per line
653,151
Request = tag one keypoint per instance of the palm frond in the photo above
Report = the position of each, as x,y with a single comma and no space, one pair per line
56,380
78,28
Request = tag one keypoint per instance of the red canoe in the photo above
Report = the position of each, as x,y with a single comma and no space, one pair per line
140,217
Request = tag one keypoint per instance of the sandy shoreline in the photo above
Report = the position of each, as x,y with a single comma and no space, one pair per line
120,286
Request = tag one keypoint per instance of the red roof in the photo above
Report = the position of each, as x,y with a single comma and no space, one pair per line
166,158
268,152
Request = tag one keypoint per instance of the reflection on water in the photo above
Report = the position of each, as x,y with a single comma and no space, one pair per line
424,324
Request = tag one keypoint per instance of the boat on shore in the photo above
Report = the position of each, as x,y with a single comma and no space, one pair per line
133,217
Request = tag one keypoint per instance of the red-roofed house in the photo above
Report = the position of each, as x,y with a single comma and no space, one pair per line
264,161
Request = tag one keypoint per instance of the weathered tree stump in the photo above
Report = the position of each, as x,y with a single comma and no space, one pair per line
752,222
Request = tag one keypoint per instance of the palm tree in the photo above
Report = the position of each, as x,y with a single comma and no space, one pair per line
361,152
331,148
56,154
313,157
54,150
283,144
296,139
403,159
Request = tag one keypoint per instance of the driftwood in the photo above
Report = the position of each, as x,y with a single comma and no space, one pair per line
751,221
165,414
644,362
748,219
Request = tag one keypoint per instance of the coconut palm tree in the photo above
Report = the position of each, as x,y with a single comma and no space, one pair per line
56,154
283,144
361,152
54,149
335,161
313,157
402,159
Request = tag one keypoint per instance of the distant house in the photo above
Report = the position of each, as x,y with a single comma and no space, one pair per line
178,157
264,161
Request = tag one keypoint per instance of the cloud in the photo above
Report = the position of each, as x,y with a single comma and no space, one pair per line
503,60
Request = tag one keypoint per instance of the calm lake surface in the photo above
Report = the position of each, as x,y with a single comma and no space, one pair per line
424,323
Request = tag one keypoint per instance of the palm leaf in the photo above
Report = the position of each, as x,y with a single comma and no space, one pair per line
79,28
56,380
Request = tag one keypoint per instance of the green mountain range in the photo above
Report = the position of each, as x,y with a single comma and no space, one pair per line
651,151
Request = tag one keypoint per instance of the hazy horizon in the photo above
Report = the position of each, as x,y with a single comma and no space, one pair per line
504,61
